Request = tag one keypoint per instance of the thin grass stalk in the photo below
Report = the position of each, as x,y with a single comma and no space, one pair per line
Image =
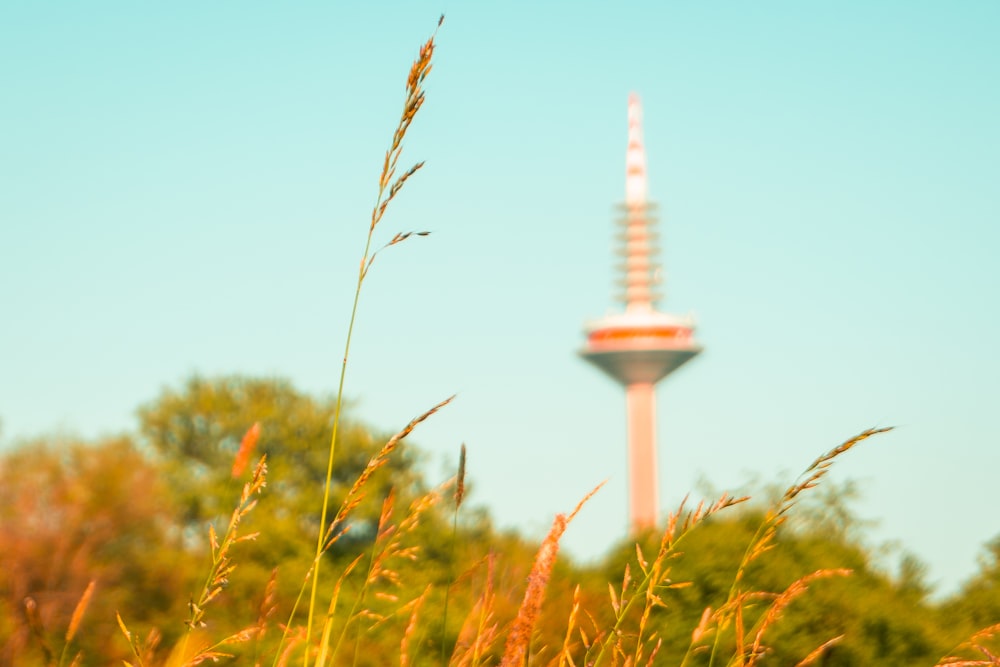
818,652
389,531
972,643
738,629
418,71
331,611
483,636
673,536
387,545
351,501
480,617
333,440
76,619
652,601
268,605
133,643
565,654
222,566
763,539
459,496
411,628
214,651
519,641
700,631
780,603
383,531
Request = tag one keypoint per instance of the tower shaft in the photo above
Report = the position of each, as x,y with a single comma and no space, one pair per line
644,494
641,346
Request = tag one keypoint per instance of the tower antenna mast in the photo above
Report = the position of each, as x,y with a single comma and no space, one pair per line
641,346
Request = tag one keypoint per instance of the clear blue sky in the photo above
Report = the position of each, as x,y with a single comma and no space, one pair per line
185,188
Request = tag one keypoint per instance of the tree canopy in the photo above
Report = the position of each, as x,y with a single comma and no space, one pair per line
131,513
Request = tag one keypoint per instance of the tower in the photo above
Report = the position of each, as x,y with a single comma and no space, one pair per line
642,345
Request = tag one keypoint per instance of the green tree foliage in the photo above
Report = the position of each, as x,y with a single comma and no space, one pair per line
884,621
194,435
72,513
977,604
133,515
196,432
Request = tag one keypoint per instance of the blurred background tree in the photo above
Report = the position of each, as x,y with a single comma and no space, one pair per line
193,434
977,602
885,620
132,512
74,512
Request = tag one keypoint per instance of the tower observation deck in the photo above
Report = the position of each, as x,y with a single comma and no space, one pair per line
640,346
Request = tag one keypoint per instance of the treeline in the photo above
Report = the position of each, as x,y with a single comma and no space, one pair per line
93,530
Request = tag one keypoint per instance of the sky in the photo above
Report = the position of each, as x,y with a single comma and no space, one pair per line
187,185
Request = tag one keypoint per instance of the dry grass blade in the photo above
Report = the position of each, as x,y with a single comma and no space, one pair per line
478,632
247,447
516,649
656,575
652,654
738,621
458,497
75,620
414,100
764,538
268,605
460,480
973,643
133,642
702,628
411,628
222,565
821,466
79,611
565,653
387,547
774,612
583,501
680,522
818,652
215,653
352,499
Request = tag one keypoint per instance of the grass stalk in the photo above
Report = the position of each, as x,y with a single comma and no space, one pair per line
222,566
763,539
76,619
459,496
386,193
655,574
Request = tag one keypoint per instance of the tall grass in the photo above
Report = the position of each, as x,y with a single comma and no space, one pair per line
388,188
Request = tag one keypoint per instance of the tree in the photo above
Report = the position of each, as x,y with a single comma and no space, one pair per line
884,621
977,603
194,434
74,512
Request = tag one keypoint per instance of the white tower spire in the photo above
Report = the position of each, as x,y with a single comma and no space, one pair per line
641,346
635,156
640,270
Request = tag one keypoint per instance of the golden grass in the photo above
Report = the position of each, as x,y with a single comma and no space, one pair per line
414,101
245,452
976,644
